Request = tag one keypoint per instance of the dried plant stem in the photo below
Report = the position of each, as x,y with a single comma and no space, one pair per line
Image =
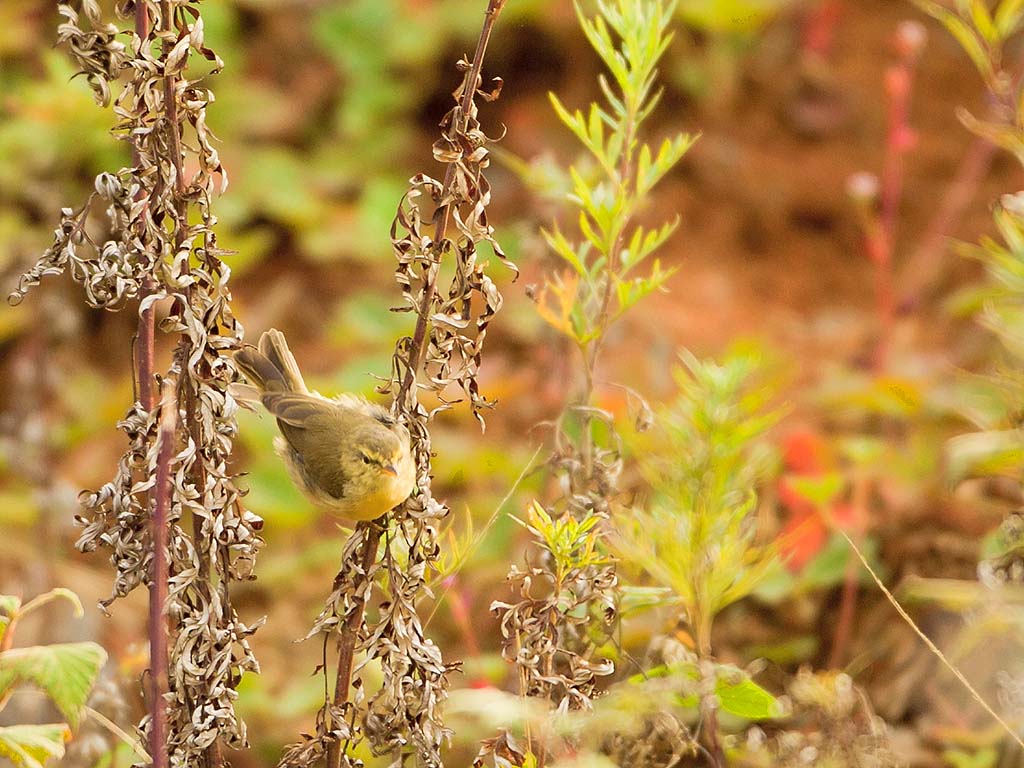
160,576
186,393
442,216
372,531
350,633
931,646
158,672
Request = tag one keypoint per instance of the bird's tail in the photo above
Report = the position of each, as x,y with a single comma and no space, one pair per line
271,367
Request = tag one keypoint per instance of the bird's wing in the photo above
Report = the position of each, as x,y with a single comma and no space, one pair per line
296,410
315,431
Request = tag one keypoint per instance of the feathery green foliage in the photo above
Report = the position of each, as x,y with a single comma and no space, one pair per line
703,480
599,285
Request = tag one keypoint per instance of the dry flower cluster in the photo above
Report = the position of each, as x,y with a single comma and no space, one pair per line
150,251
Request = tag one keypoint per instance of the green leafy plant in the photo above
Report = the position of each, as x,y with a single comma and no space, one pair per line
66,673
998,446
703,464
566,609
600,284
703,481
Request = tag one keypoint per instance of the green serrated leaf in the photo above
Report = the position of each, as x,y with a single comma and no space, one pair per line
66,671
31,746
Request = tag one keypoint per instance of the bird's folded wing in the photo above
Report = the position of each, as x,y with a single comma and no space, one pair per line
297,410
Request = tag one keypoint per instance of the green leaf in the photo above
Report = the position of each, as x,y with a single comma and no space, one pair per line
962,31
9,604
560,245
818,490
737,694
747,699
986,757
983,22
1008,17
32,745
66,671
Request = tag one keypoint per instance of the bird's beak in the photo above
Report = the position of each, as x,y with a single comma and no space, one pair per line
390,469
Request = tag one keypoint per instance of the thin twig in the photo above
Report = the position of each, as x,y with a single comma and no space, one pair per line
479,538
924,266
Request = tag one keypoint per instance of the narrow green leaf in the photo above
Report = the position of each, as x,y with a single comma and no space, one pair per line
31,746
560,245
1008,17
66,671
964,34
572,120
983,22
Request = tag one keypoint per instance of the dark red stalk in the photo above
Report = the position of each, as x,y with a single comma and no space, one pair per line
159,577
880,244
158,586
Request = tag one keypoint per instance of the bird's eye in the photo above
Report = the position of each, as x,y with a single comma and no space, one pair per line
366,459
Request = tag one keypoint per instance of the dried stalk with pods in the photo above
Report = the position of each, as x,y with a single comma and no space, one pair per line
445,350
160,247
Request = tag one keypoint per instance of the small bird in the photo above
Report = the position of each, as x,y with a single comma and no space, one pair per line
347,455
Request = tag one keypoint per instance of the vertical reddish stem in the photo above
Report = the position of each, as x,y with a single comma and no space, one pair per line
158,585
159,576
899,140
848,601
880,243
